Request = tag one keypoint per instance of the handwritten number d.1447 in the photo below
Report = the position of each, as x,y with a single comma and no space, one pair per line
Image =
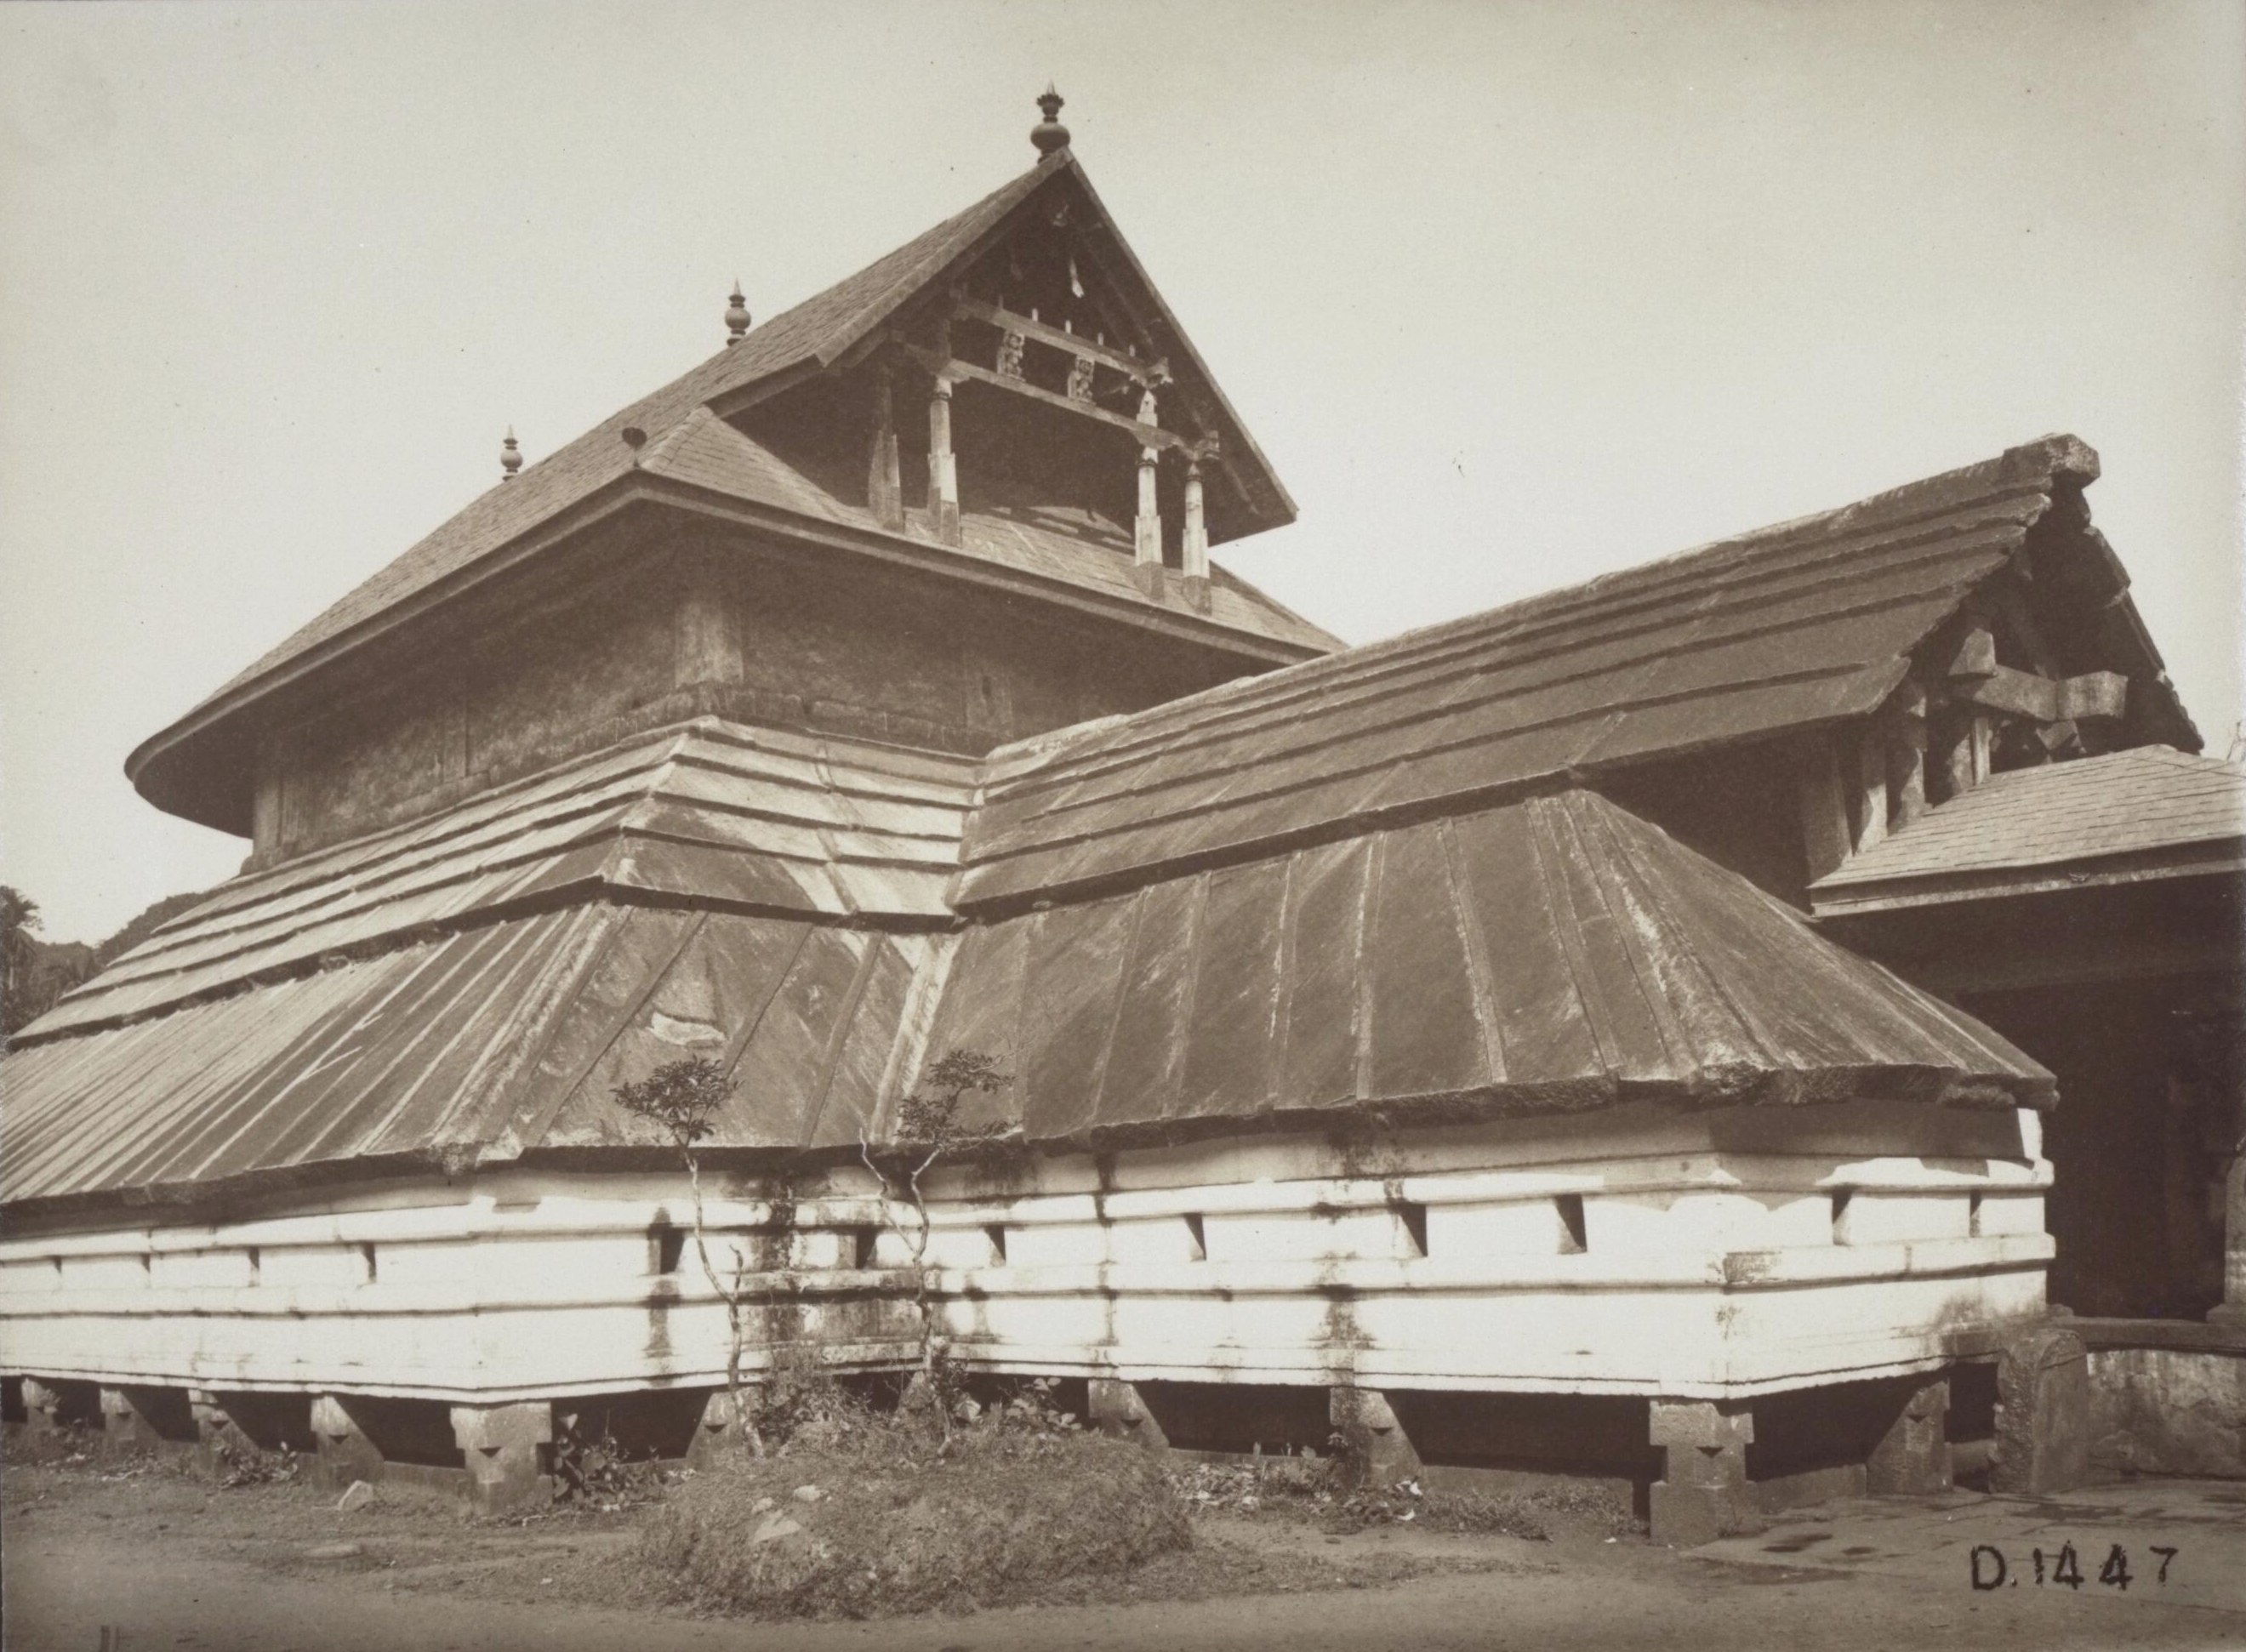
1989,1567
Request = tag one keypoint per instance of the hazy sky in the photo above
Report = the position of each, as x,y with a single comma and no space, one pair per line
1510,294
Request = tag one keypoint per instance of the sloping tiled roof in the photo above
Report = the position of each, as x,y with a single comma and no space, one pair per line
815,330
1547,955
814,333
1791,626
2151,811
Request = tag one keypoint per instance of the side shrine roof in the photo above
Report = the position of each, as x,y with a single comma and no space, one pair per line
2149,813
1792,626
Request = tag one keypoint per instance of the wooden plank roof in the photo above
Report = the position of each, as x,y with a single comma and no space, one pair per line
1803,623
2149,813
756,819
1547,955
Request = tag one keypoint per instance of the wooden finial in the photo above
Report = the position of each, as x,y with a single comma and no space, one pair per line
736,318
510,457
1048,135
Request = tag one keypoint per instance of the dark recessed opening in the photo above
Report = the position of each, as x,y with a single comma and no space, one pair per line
670,1246
1197,1231
1574,1236
1840,1214
256,1266
366,1257
1414,1218
996,1233
1973,1214
861,1246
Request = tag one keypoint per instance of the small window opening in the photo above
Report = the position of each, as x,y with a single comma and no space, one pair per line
1574,1240
366,1257
996,1233
1197,1232
1414,1218
670,1248
861,1246
1841,1215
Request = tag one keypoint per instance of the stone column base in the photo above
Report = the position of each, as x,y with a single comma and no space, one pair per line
1116,1409
2043,1414
345,1451
501,1442
1912,1459
1367,1423
1703,1493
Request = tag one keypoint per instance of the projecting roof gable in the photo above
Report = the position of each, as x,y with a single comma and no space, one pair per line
2147,813
1804,623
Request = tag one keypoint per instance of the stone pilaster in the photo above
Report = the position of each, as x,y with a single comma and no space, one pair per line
1703,1492
1116,1409
2232,1311
44,1407
2043,1413
1912,1458
500,1444
124,1420
345,1451
1363,1417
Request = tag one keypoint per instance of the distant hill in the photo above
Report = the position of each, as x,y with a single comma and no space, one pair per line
39,971
143,924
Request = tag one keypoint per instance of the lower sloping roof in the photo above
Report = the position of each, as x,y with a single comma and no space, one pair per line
469,988
473,1049
1555,954
2149,813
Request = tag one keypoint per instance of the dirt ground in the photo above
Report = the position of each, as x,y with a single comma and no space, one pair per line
173,1562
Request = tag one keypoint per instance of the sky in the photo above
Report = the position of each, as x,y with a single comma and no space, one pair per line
1510,294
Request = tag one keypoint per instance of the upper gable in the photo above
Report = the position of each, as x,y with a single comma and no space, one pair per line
820,429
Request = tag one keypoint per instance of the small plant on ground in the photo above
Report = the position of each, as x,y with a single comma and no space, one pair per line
928,1129
682,1100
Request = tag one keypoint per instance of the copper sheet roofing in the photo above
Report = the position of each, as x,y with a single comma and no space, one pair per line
1550,955
2151,811
824,829
1799,624
677,422
472,1047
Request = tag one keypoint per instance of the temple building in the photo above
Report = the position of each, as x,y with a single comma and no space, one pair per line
1698,1031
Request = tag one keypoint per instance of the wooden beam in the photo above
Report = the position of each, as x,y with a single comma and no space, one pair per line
951,370
2040,699
1824,808
1962,743
1975,656
1146,374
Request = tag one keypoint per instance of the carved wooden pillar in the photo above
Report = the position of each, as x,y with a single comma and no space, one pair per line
1824,808
1868,791
885,487
1196,528
1148,538
1907,754
942,465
